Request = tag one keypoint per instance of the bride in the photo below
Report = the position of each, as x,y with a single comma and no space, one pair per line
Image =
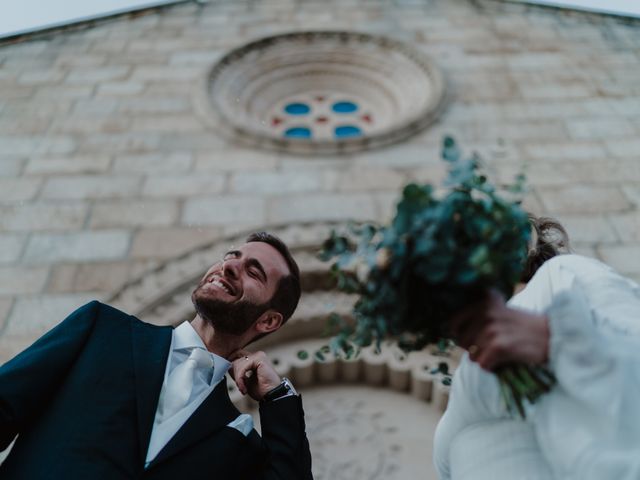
582,319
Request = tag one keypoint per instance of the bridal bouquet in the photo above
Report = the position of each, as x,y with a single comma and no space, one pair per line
440,254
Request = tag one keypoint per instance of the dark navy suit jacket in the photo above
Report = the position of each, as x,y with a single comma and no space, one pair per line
82,400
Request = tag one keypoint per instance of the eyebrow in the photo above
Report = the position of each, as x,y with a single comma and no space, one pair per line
251,262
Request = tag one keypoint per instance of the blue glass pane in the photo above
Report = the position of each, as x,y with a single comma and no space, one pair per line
297,109
298,132
345,107
348,131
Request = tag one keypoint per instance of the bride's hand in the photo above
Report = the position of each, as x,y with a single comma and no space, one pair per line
495,334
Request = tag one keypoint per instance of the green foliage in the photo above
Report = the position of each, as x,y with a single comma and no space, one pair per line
439,254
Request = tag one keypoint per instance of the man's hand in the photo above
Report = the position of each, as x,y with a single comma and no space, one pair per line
253,373
495,334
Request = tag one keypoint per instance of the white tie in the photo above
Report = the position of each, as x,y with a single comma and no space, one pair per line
180,383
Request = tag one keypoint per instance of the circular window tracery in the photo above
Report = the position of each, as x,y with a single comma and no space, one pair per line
350,91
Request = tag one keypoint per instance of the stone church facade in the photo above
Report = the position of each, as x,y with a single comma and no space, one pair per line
120,180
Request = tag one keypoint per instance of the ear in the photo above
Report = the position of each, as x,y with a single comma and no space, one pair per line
268,322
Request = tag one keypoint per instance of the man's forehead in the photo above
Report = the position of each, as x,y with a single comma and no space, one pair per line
266,254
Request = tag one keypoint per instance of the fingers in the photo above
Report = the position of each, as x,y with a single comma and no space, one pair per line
244,367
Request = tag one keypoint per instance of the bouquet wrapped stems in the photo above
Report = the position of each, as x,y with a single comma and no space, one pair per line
519,382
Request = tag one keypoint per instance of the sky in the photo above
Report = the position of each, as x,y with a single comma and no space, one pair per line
29,15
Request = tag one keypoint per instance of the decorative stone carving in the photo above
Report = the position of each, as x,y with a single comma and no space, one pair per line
323,92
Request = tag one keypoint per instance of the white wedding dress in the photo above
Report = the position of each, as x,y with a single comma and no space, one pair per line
588,426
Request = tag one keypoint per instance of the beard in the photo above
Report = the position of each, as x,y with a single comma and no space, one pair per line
229,318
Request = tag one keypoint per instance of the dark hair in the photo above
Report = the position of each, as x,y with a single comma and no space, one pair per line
548,239
285,299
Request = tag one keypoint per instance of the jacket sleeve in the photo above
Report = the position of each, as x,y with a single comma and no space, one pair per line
283,434
28,381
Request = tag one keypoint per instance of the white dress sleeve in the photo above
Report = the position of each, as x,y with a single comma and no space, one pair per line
588,426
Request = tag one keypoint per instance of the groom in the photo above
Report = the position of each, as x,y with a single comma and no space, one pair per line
106,396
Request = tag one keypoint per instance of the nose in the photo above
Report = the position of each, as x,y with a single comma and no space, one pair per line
231,268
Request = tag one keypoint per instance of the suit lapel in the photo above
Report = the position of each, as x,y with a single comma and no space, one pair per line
151,346
215,412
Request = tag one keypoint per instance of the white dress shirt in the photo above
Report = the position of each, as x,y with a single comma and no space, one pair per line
183,340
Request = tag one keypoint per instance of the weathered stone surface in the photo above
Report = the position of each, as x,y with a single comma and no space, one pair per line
153,163
170,242
35,314
80,246
205,183
224,210
88,187
624,258
317,207
276,182
43,216
229,160
11,246
22,280
67,164
134,213
584,199
18,190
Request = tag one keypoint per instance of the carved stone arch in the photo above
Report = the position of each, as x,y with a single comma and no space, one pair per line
363,401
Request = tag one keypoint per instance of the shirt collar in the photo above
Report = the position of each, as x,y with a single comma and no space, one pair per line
185,336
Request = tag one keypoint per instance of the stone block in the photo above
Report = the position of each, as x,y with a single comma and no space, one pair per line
41,76
204,183
11,246
43,217
123,143
33,315
167,73
24,145
553,152
583,199
5,307
632,192
22,280
91,187
11,166
235,160
167,123
372,179
153,163
600,128
322,207
80,246
105,278
624,258
555,91
589,229
627,225
117,89
133,213
68,164
18,189
275,182
96,74
224,210
626,148
155,104
62,278
162,243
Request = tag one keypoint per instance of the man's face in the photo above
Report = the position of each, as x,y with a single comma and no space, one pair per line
235,292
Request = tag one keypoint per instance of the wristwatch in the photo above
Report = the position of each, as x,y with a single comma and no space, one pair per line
285,389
